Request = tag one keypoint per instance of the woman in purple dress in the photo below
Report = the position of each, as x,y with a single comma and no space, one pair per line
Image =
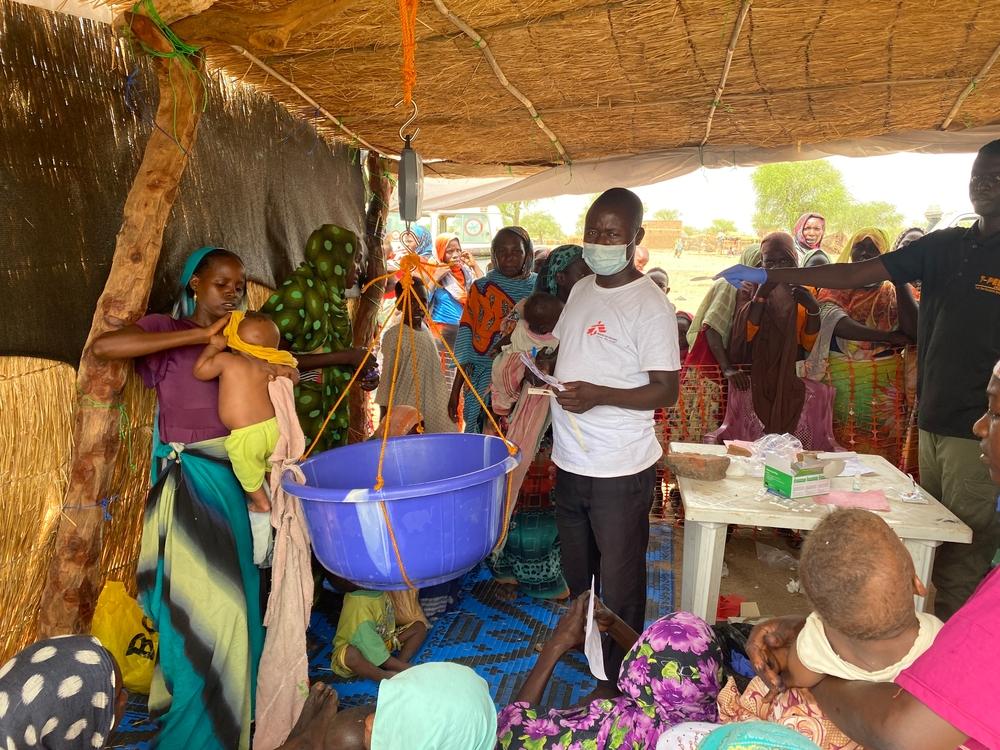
197,581
671,674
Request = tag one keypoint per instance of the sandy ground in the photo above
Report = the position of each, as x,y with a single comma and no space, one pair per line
684,293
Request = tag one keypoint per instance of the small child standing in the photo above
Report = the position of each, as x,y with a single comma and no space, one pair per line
660,277
861,582
420,383
245,406
531,335
367,636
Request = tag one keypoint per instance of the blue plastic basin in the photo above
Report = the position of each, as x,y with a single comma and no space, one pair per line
444,495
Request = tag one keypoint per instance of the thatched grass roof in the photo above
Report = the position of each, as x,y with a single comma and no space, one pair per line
632,76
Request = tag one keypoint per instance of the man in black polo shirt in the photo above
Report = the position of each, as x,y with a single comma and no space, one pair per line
958,343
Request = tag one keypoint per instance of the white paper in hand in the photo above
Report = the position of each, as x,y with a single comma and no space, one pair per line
592,641
544,377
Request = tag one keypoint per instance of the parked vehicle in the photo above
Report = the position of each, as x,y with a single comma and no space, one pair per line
963,219
475,227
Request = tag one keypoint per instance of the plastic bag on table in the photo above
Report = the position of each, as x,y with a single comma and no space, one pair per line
122,628
785,446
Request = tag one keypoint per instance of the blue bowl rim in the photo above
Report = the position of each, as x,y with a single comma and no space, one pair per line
422,489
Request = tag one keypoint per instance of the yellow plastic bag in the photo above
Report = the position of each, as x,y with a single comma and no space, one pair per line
123,629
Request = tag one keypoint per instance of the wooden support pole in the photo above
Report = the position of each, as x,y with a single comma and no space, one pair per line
983,72
483,46
366,312
71,586
730,50
322,110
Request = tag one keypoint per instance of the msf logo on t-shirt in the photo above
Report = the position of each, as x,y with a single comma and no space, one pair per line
601,331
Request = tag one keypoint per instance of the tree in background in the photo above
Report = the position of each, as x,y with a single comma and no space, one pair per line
582,218
723,226
512,212
666,214
542,227
787,190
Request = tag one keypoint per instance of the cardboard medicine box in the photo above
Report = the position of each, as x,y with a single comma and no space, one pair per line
794,479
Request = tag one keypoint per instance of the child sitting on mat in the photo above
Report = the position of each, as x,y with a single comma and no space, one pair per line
367,636
245,406
532,334
861,581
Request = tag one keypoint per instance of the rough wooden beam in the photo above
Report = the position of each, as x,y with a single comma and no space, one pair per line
71,586
730,50
366,312
482,45
262,33
983,72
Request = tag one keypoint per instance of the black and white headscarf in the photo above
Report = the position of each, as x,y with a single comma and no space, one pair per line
58,694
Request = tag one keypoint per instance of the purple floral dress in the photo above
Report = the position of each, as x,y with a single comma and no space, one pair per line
672,674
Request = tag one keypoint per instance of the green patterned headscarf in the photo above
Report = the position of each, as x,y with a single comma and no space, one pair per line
557,262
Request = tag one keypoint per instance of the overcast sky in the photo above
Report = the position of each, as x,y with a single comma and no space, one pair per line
912,182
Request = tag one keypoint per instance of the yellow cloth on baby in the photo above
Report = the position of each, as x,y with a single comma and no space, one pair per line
249,449
266,353
817,655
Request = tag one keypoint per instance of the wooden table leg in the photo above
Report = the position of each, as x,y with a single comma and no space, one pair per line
704,545
922,552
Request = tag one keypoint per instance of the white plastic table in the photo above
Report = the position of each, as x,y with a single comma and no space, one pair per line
709,507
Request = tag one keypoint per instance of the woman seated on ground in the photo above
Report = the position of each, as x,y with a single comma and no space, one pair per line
671,674
768,332
869,375
63,693
707,369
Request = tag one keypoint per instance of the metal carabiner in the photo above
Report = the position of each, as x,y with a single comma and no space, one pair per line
409,121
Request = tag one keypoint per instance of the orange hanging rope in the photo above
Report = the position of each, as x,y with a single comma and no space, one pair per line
414,365
379,479
408,26
413,265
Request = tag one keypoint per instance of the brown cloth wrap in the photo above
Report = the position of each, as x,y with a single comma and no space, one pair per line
777,392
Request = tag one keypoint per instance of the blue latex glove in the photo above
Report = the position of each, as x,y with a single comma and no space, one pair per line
738,275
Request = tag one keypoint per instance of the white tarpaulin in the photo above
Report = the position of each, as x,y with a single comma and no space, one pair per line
92,9
597,175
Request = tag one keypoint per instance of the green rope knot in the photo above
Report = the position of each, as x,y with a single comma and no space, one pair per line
124,433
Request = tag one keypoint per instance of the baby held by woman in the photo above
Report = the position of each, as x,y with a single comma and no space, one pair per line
861,582
532,334
245,358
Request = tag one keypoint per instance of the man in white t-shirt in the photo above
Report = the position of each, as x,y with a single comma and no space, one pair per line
618,359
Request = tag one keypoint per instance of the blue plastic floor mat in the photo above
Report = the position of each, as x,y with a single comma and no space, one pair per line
493,634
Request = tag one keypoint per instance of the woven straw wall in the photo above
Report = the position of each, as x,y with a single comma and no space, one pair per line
35,436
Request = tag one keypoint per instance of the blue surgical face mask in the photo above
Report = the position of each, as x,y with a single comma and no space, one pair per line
605,260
